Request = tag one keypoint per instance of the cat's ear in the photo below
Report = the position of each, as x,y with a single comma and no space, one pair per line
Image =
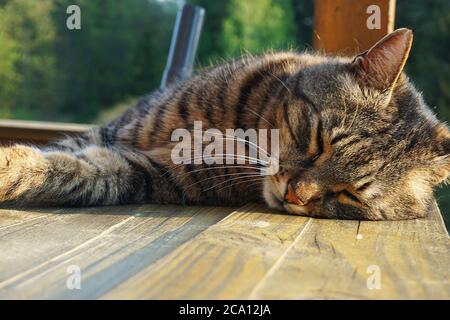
381,66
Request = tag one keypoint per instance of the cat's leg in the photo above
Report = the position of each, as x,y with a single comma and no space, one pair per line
93,175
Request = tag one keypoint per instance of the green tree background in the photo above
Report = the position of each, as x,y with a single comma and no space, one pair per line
48,72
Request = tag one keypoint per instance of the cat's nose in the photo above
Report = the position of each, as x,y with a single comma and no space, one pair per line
302,193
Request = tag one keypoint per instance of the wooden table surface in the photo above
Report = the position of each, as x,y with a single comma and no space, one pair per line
171,252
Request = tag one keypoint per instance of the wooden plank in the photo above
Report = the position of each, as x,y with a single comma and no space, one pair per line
225,261
13,131
10,218
291,257
331,261
108,244
203,252
340,26
29,238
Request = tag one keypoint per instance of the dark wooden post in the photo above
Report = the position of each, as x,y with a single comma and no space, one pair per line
340,26
183,48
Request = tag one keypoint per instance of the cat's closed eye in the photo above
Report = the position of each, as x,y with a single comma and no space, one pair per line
349,196
364,186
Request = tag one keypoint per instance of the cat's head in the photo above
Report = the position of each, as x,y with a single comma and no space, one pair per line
356,139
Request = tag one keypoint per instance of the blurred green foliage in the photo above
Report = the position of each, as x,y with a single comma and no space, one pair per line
48,72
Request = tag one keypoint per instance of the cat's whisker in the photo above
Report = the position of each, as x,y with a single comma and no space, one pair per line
212,168
237,175
228,181
255,170
249,142
255,182
230,190
227,156
261,161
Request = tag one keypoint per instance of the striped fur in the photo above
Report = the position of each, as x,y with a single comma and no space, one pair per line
357,149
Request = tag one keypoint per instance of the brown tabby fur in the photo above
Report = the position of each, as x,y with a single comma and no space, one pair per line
356,141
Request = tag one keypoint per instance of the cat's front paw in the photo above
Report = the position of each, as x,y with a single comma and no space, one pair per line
21,168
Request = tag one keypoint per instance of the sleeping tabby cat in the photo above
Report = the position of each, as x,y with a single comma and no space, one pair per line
356,141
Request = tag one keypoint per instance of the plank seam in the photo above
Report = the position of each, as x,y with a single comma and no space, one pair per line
240,209
30,271
22,222
279,261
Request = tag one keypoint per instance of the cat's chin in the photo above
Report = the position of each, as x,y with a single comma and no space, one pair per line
272,196
272,201
273,192
296,209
